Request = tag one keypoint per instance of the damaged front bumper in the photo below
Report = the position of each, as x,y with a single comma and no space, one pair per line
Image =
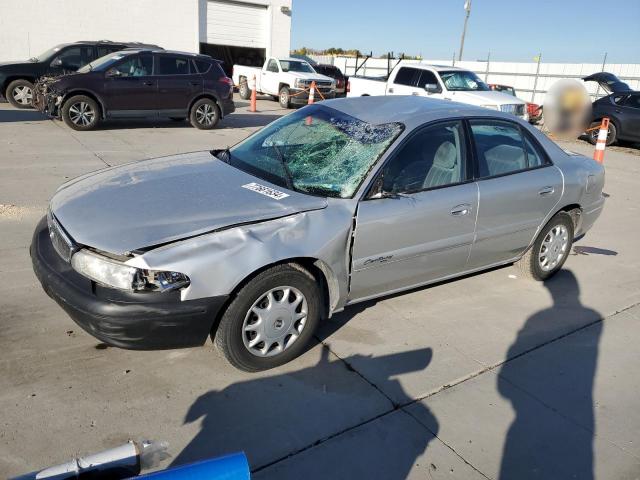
46,98
139,321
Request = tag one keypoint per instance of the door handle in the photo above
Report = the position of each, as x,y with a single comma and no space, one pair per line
546,191
195,84
148,84
415,93
391,90
460,210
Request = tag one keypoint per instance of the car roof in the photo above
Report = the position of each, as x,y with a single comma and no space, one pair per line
408,109
169,52
292,59
437,68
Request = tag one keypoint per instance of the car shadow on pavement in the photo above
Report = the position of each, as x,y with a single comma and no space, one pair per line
17,115
246,120
271,417
551,392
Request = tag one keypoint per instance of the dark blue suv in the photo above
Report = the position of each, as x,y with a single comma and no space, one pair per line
136,83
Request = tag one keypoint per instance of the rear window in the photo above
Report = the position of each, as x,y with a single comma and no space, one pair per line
405,76
202,66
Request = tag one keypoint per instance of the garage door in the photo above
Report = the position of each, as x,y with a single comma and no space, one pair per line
237,24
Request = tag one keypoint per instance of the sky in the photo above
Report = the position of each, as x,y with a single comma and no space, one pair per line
579,31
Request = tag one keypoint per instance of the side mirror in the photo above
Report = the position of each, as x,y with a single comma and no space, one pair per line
57,62
113,73
432,88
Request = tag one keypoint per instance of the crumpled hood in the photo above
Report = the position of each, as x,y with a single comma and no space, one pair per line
485,98
143,204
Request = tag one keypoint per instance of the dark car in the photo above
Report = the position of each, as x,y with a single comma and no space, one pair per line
335,73
622,106
17,78
140,83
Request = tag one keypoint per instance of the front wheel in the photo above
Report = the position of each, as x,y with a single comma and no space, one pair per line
550,249
80,112
20,93
271,320
204,114
284,97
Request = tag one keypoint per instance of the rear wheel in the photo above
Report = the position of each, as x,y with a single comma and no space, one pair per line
20,93
271,320
204,114
81,112
611,134
550,249
244,90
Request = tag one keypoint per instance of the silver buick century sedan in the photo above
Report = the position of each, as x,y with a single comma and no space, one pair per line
331,205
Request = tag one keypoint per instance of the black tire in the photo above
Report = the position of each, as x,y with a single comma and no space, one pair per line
231,335
611,135
531,264
177,119
15,95
284,97
81,113
204,114
243,89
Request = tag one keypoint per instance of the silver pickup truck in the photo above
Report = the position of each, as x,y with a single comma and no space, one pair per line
336,203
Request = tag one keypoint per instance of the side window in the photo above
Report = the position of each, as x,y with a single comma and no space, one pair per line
427,77
202,66
272,66
406,76
632,101
499,147
535,157
170,65
135,66
434,157
74,57
107,49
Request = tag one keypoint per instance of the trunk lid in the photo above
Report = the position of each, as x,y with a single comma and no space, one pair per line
609,82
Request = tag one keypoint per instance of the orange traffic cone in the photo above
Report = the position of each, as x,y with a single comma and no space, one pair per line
598,154
253,106
312,93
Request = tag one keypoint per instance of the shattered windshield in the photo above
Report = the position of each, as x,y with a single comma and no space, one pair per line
317,150
460,80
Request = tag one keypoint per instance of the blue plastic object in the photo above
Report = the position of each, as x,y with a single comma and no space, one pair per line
229,467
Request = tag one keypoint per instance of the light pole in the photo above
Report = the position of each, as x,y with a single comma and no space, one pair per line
467,9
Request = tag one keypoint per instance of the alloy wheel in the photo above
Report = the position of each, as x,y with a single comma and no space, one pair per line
553,248
275,321
205,115
81,114
23,95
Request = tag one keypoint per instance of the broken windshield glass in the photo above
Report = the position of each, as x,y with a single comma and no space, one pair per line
317,150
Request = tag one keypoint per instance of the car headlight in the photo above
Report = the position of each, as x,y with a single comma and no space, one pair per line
492,107
300,83
113,273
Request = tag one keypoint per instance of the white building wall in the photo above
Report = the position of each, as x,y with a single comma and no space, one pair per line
29,28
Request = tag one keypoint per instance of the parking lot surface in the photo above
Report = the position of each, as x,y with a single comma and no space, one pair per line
490,376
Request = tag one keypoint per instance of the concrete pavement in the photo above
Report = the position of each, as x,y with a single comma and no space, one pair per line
490,376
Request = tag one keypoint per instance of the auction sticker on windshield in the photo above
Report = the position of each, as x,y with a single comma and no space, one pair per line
264,190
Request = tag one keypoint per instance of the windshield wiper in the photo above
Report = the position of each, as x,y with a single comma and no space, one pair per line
285,167
222,154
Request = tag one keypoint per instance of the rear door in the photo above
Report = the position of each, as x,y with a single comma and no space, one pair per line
178,84
629,113
404,82
518,188
422,228
130,88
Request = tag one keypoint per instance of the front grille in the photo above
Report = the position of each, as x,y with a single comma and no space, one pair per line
515,108
61,242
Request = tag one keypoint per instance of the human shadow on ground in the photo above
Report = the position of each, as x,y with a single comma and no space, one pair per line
552,434
270,417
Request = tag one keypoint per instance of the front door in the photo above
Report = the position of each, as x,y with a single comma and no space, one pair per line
130,88
421,227
518,188
178,84
269,78
629,114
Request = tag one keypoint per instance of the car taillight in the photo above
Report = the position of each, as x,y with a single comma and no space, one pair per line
532,108
227,81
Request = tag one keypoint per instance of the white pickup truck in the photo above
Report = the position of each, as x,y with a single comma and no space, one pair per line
449,83
285,79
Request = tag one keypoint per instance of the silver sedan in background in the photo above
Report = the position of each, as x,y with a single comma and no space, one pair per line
331,205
